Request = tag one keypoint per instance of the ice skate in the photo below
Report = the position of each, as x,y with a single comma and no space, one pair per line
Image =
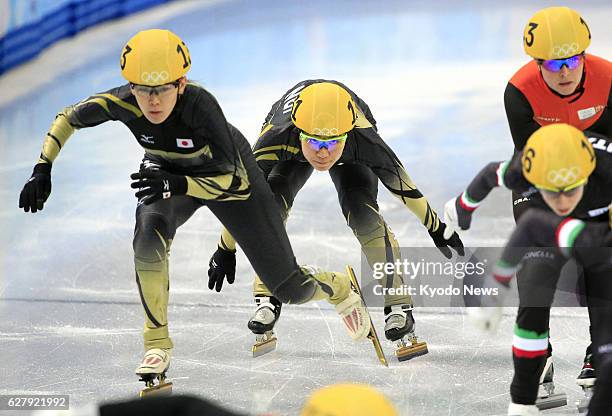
154,365
360,313
399,329
547,398
586,380
262,324
522,410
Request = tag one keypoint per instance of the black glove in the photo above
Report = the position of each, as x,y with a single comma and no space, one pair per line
222,264
443,243
37,189
155,184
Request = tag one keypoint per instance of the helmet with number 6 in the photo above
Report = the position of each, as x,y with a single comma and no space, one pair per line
556,33
154,57
558,157
348,400
324,109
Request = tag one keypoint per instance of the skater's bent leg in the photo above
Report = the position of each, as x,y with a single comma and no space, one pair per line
155,228
529,353
357,188
259,288
601,402
257,226
285,180
536,281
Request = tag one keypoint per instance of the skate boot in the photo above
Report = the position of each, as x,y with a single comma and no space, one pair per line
262,324
547,398
154,365
586,380
399,329
522,410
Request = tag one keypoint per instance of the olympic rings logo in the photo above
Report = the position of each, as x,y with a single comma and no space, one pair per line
154,76
563,176
565,50
325,131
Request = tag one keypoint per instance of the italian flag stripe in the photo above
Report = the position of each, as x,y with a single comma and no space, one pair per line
528,354
501,171
529,344
467,203
567,232
503,271
526,334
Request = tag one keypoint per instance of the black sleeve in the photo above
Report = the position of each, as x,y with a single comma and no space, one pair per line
225,177
520,116
539,228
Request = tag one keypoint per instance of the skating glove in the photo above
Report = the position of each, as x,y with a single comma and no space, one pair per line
222,265
444,238
155,184
456,216
37,189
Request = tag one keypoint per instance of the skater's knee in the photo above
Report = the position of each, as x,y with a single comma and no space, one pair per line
297,288
152,238
364,220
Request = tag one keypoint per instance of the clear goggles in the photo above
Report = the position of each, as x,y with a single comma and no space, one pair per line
144,91
319,142
568,191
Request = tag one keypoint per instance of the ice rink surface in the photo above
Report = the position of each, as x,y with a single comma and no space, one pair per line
433,74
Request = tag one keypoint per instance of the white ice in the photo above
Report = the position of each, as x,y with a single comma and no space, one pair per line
433,75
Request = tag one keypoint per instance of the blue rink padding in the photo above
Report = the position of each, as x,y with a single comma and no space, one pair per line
22,43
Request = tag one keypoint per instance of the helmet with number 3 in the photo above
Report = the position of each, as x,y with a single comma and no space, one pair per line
154,57
556,33
558,157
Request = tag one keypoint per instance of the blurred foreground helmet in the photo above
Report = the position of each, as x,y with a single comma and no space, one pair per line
348,400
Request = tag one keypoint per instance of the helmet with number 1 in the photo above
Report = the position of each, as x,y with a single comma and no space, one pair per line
324,109
558,157
348,400
556,33
154,57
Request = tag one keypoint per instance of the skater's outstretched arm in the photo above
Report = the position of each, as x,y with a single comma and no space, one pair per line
90,112
508,174
376,154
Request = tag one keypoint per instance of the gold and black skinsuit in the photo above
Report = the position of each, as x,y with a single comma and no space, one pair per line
198,142
366,159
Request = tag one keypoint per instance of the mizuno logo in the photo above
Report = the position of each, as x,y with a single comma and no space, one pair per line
146,139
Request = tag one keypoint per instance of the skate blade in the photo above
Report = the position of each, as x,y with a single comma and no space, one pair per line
411,351
552,401
372,335
162,389
583,406
264,347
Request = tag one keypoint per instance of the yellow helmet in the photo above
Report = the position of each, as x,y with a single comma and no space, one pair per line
556,33
154,57
324,109
348,400
558,157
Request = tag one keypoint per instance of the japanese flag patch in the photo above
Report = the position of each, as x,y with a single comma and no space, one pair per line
184,143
